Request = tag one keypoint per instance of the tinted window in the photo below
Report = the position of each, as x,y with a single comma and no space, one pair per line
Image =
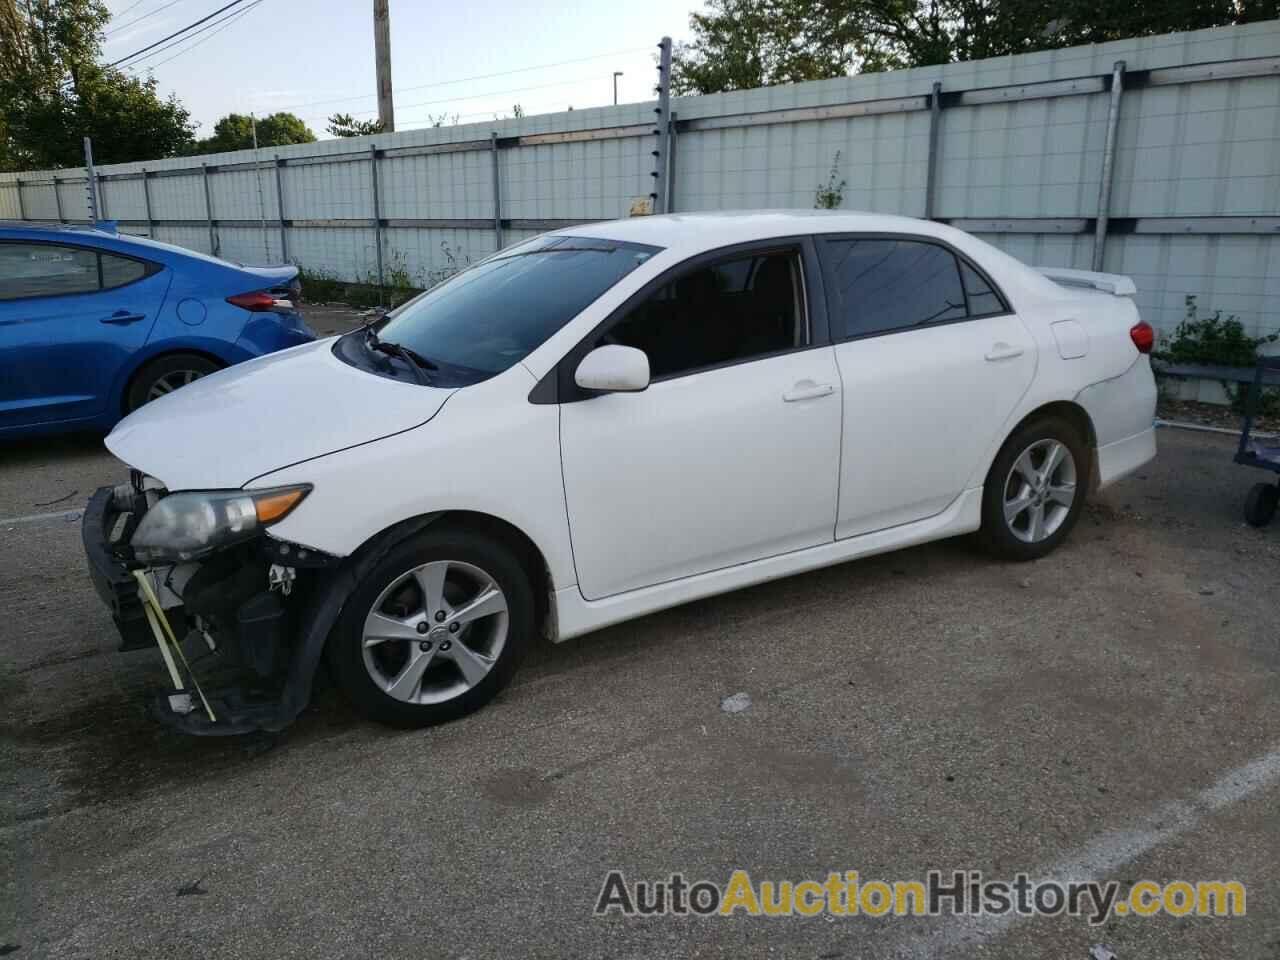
117,271
45,270
883,285
982,299
734,310
493,315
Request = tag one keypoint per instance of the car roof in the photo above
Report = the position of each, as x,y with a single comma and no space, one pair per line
691,232
45,226
688,234
108,236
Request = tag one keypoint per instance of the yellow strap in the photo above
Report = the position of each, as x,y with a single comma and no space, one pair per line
164,647
156,611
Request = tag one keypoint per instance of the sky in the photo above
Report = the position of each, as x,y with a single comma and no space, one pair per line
315,57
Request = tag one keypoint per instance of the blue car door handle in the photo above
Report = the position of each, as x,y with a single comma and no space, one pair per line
121,317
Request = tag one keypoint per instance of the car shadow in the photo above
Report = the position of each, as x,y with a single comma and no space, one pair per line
48,450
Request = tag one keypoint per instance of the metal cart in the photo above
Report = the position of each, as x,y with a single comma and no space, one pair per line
1260,504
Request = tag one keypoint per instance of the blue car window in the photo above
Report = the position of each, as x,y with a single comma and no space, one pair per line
45,270
117,271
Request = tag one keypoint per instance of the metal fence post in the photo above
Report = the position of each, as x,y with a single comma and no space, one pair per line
1108,165
284,240
377,216
91,181
931,176
208,210
497,191
663,127
146,199
57,200
22,212
669,205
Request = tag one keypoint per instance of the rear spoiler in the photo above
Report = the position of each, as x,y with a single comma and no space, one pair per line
1112,283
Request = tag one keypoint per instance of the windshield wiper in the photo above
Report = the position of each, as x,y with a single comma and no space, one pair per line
415,361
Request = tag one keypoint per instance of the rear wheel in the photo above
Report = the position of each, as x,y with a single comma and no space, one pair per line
164,375
1260,504
1035,490
435,631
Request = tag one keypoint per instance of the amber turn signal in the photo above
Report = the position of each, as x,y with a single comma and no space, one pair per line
273,505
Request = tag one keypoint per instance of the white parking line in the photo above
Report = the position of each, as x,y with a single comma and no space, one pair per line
1104,854
67,516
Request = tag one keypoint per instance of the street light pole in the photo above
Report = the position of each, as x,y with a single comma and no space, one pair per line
616,75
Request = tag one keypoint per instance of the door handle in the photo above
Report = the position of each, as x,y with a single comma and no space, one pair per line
1003,351
808,390
121,317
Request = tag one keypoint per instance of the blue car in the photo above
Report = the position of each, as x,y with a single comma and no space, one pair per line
93,323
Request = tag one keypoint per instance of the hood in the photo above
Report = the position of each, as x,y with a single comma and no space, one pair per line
227,428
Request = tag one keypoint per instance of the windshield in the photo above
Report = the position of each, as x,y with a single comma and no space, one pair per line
495,314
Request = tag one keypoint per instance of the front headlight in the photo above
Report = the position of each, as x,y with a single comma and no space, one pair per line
187,526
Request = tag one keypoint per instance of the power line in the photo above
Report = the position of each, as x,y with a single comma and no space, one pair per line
483,76
220,25
194,33
176,33
134,5
477,96
151,13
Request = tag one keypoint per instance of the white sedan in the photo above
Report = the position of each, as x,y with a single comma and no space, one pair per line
599,423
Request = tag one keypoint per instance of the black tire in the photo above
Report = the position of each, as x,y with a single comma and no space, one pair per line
1005,539
346,648
1260,504
169,369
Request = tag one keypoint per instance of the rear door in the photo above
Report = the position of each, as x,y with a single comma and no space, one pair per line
70,317
933,361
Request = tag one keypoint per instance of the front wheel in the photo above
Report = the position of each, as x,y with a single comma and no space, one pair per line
1035,490
434,631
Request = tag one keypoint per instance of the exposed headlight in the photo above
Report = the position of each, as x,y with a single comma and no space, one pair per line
187,526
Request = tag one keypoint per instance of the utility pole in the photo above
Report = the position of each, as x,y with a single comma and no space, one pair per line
382,62
616,75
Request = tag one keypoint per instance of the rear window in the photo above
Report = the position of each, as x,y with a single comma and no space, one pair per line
496,313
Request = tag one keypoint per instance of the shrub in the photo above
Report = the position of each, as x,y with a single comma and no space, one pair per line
1219,341
831,194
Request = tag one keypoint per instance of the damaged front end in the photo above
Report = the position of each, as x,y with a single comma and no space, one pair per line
195,574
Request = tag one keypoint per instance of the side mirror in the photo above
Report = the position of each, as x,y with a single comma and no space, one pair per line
613,369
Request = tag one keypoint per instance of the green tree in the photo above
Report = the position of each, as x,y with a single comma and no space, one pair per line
53,93
235,132
345,125
739,44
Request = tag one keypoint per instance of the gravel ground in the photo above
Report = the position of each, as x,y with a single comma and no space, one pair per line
1093,713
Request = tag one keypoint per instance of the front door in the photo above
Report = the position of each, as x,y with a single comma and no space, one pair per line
70,317
731,454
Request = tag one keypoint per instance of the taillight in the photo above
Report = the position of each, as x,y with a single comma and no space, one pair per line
260,301
1143,336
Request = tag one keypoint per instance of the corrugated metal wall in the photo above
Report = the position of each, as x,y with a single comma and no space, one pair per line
1195,189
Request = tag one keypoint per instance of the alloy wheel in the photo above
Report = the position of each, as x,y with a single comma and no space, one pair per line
171,382
1040,490
435,632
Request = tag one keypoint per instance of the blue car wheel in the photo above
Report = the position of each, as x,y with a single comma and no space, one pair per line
164,375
